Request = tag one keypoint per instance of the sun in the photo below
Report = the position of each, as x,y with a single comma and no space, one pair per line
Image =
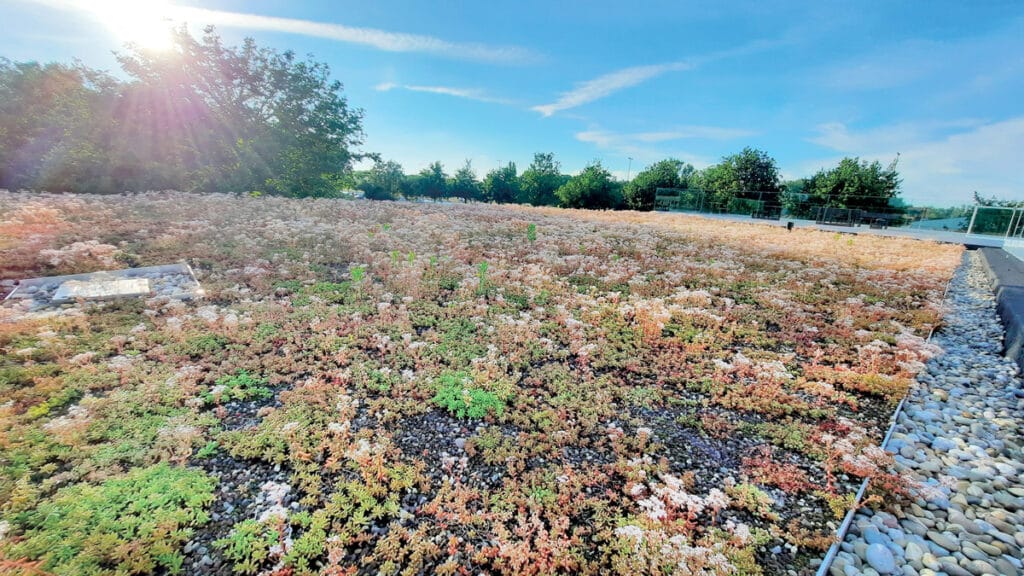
145,23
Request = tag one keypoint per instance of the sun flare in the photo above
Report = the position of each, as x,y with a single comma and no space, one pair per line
145,23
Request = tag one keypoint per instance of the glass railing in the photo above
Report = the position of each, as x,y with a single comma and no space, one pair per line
997,221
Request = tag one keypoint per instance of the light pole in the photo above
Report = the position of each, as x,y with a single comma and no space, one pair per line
629,168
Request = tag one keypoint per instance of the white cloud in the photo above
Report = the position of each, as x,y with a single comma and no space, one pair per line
938,168
467,93
641,146
837,136
607,84
371,37
612,139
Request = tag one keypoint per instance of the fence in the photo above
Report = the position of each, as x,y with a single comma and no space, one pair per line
697,200
857,217
768,205
679,199
994,221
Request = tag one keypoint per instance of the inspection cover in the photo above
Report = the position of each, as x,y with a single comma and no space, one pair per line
101,289
175,281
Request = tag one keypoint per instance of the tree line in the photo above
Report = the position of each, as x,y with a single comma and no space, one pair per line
203,116
738,180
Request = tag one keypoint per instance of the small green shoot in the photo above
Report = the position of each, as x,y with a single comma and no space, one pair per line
357,273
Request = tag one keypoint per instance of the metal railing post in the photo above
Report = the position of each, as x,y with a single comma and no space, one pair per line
970,227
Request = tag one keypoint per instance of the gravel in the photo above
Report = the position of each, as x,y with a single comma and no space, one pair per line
960,436
38,299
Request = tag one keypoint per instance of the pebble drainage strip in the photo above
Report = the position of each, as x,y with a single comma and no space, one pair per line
972,525
830,556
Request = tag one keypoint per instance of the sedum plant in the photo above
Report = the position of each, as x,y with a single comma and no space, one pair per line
248,545
133,524
239,386
457,396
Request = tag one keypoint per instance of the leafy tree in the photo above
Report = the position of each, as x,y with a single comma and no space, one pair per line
200,116
749,175
592,188
259,118
384,181
934,213
998,202
52,120
541,180
670,173
755,171
501,185
798,199
433,182
857,184
409,186
464,184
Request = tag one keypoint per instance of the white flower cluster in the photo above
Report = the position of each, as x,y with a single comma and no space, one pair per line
740,531
82,252
676,551
83,358
670,497
769,369
632,532
361,449
272,495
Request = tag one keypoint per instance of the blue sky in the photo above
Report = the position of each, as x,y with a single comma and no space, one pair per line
942,83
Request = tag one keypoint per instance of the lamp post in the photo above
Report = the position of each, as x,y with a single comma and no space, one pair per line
629,168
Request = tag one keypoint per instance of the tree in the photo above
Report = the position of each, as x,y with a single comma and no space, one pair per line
464,184
592,188
501,185
856,184
639,192
384,181
997,202
750,175
52,121
540,181
798,199
200,116
433,182
258,118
